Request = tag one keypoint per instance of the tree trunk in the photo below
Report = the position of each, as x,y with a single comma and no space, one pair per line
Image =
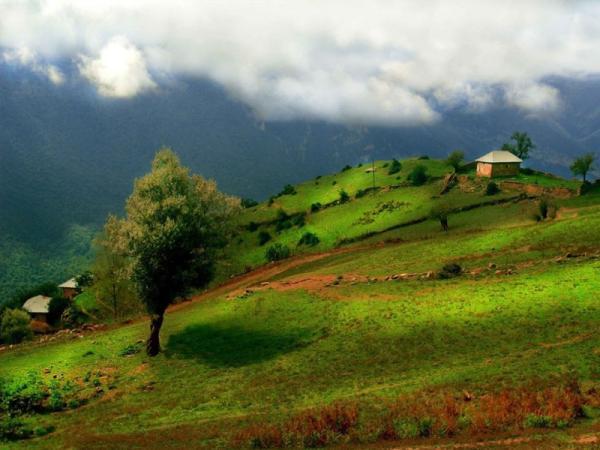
153,342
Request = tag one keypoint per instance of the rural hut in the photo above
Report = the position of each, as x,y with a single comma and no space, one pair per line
498,163
69,288
38,307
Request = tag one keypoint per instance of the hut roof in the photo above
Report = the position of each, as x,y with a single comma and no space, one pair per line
37,305
72,283
499,156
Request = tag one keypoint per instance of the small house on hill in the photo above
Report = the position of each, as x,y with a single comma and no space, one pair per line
69,288
38,307
498,163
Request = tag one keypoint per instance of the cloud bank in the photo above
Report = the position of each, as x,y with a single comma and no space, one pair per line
379,62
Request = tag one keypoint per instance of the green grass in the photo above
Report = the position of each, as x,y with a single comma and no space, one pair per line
231,359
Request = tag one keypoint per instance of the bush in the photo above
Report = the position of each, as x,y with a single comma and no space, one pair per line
418,176
56,307
344,197
334,182
12,429
546,209
527,171
84,279
248,203
395,167
423,157
288,189
299,220
309,239
450,270
14,326
263,238
491,188
73,316
277,252
252,226
346,167
455,159
23,395
315,207
283,221
361,193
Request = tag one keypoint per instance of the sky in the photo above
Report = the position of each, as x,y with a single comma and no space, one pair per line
376,62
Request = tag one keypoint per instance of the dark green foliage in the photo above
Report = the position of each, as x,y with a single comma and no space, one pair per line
73,316
277,252
248,203
527,171
17,300
84,279
546,209
520,146
13,429
315,207
252,227
395,167
299,220
361,193
23,395
418,176
423,157
450,270
14,326
582,165
271,200
359,165
455,159
283,221
491,188
344,197
263,237
441,211
309,239
346,167
56,307
288,189
334,182
385,165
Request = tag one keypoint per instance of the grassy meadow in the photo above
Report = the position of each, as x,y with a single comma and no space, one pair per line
357,344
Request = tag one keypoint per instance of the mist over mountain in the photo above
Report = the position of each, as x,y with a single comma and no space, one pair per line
68,156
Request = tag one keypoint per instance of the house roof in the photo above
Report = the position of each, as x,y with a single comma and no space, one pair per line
499,156
72,283
37,305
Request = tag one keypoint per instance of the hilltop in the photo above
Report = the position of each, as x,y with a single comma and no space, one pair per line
368,333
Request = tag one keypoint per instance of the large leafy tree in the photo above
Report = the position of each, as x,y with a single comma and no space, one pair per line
582,165
520,146
455,159
174,226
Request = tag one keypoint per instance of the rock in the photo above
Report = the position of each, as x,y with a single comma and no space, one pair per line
498,272
491,266
395,276
265,283
467,396
430,275
509,272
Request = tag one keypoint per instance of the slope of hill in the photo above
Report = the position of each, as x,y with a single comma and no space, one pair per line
67,157
401,354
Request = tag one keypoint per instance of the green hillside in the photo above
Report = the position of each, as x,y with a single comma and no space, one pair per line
361,338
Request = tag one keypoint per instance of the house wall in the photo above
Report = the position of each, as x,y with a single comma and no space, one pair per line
497,169
69,293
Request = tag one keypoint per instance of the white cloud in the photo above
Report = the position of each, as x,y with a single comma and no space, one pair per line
118,71
533,97
383,62
26,57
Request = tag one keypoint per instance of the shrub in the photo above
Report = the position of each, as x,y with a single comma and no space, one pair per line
309,239
288,189
271,200
450,270
455,159
315,207
23,395
527,171
395,167
252,226
14,326
277,252
344,197
299,220
85,279
334,182
283,221
546,209
346,167
73,316
56,307
491,188
248,203
13,429
418,176
360,193
537,421
423,157
263,238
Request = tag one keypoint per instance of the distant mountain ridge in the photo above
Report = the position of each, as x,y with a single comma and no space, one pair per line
68,157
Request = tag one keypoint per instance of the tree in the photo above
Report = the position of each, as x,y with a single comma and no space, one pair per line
521,146
14,326
418,176
582,165
112,269
395,167
455,159
174,226
441,213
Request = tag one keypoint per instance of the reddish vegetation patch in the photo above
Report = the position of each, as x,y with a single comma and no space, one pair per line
425,415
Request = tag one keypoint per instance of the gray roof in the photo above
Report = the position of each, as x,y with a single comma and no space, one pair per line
499,156
37,305
72,283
